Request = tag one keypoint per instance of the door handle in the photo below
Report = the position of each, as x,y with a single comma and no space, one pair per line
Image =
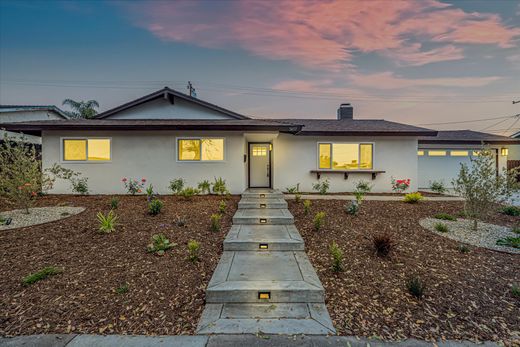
268,170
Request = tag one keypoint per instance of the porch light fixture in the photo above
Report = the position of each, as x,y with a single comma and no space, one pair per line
264,295
263,246
504,152
270,146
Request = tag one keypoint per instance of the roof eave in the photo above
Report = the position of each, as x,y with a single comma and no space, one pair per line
367,133
470,142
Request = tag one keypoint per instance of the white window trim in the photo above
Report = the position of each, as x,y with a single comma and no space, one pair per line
199,138
62,153
332,154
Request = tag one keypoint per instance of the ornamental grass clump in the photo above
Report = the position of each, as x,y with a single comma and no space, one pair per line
383,244
319,220
307,207
438,187
222,207
114,203
219,186
509,241
445,216
160,244
337,257
204,187
413,198
215,222
441,227
107,223
415,287
155,206
188,192
193,250
40,275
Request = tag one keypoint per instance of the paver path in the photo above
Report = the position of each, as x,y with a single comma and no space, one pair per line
264,282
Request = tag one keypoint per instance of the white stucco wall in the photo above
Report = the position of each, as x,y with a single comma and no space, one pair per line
25,116
162,109
514,152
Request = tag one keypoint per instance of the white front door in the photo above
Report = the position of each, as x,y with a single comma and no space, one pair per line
259,165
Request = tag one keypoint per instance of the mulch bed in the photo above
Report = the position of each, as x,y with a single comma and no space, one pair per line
467,296
165,294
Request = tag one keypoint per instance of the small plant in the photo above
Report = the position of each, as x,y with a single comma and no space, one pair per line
114,203
293,190
319,220
515,290
107,224
445,216
188,192
215,222
383,244
155,206
193,250
79,185
415,287
297,197
133,186
176,185
122,289
441,227
362,188
515,230
40,275
204,187
180,222
307,206
322,187
150,195
413,198
509,241
219,186
222,207
438,187
511,211
337,257
399,186
463,248
160,244
5,221
352,207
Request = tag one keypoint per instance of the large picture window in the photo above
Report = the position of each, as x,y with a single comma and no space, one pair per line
200,149
86,149
345,156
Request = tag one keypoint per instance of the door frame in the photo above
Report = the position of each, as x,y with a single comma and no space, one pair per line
249,163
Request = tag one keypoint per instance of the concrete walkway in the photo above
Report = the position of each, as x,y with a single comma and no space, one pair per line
264,282
370,197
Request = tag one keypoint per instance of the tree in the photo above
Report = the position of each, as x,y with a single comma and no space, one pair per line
482,187
81,109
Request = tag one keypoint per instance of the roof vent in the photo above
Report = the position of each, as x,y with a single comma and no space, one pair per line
345,111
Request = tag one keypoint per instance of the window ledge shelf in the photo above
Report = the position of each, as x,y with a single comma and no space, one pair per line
347,172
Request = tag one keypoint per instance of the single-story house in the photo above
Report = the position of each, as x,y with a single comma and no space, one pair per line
168,134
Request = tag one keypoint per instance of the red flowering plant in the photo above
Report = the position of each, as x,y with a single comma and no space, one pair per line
134,186
400,186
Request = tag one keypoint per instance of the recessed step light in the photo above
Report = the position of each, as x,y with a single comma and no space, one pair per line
263,220
264,295
263,246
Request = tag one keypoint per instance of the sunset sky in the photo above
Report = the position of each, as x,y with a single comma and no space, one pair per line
418,62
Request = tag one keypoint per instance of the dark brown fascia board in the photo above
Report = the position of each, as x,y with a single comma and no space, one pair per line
173,93
367,133
469,142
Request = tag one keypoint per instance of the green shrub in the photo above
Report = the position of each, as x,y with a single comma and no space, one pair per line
176,185
319,220
160,244
438,187
193,250
515,229
463,248
445,216
215,222
204,187
114,203
322,187
222,207
509,242
40,275
150,195
107,224
293,190
79,185
383,244
413,198
297,197
352,207
188,192
362,188
415,287
441,227
307,206
511,211
337,257
219,186
122,289
515,290
155,206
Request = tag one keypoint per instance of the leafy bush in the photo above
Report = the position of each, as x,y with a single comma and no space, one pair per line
415,287
122,289
307,206
219,186
222,207
155,206
160,244
399,186
193,250
107,224
352,207
79,185
293,190
204,187
133,186
114,203
297,197
176,185
337,257
438,187
463,248
322,187
383,244
40,275
445,216
511,211
441,227
188,192
319,220
413,198
509,241
215,222
361,189
150,195
515,290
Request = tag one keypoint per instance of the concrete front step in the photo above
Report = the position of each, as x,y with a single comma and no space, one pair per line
263,216
264,277
262,203
296,318
243,237
262,193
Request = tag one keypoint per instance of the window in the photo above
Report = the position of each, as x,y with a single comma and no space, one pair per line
86,150
459,153
437,153
420,153
200,149
345,156
259,151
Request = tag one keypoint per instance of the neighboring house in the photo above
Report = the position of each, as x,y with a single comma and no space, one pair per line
168,134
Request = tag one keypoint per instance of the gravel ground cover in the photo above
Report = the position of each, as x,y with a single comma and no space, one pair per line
109,283
467,295
38,215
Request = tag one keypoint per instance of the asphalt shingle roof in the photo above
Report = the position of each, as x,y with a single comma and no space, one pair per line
468,136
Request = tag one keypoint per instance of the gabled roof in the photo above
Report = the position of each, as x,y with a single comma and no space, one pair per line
361,127
21,108
467,137
170,95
